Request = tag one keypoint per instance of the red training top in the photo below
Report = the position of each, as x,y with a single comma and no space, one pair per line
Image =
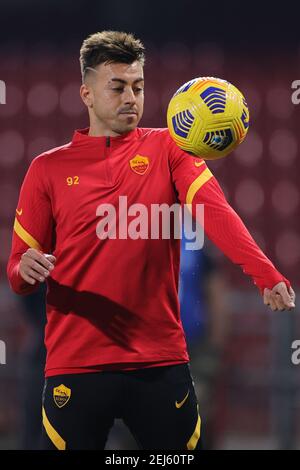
113,303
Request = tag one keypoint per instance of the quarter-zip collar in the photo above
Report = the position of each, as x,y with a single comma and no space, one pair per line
81,137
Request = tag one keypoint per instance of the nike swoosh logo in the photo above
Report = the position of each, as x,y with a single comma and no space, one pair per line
181,403
19,212
199,163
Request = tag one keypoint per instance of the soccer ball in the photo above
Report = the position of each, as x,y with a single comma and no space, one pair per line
208,117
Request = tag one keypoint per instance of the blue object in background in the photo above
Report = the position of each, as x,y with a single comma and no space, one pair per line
195,268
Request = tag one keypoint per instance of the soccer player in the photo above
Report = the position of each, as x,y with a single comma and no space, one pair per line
114,338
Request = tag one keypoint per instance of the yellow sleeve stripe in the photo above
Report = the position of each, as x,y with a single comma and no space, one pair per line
196,435
25,236
197,184
53,435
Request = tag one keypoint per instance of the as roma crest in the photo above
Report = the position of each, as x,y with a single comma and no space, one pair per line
61,395
139,164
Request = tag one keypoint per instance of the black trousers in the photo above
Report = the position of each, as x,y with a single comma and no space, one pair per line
158,405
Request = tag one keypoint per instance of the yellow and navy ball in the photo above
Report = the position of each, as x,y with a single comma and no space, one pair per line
208,117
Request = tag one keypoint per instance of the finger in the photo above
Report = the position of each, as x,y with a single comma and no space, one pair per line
267,293
292,294
39,257
34,275
27,278
268,300
273,304
37,267
281,289
279,302
51,258
271,301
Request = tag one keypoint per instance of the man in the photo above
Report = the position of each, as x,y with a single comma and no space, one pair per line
115,343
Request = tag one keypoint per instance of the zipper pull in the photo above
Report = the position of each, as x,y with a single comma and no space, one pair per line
107,141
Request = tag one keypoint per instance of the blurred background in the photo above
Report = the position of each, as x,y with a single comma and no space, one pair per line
247,386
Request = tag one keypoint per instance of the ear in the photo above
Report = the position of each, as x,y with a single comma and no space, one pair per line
86,94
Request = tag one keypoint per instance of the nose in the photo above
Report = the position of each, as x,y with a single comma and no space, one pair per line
129,96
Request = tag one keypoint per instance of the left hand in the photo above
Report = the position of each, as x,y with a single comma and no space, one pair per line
280,297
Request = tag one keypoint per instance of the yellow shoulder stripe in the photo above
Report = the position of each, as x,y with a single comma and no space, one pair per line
25,236
53,435
197,184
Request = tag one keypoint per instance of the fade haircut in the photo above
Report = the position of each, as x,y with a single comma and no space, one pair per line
108,47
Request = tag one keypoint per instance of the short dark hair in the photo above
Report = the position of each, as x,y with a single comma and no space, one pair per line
110,46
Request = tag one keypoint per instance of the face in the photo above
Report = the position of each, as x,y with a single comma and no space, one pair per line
114,95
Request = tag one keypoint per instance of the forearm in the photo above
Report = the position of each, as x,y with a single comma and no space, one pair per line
226,230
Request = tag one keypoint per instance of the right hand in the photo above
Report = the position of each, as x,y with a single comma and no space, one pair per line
35,266
280,297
